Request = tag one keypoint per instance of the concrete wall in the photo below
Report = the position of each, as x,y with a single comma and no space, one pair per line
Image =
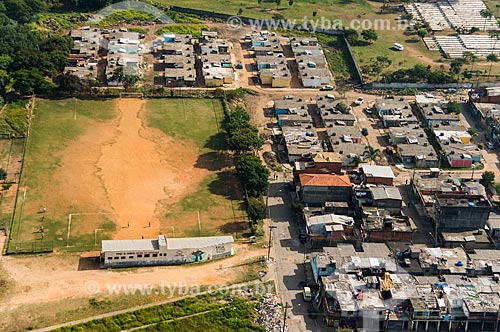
164,257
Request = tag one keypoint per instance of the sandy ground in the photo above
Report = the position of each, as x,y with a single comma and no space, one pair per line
137,170
62,277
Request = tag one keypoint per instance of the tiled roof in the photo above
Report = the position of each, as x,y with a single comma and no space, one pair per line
324,180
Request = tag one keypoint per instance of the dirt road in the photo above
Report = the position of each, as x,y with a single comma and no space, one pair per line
43,279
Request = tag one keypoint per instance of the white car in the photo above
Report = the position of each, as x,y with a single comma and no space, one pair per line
490,145
359,101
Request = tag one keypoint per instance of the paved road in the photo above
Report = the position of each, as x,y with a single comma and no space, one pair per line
288,255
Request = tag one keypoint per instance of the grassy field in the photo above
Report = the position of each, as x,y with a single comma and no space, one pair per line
216,201
53,129
213,206
208,312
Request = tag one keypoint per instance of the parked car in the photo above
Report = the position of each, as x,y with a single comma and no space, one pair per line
364,131
306,292
490,145
368,110
359,101
303,237
326,88
239,65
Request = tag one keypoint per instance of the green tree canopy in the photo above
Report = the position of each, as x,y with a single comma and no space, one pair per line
369,35
253,174
244,139
257,209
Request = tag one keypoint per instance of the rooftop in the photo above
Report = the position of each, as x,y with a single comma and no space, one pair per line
385,192
324,180
378,171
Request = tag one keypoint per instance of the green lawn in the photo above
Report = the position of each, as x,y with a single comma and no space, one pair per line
53,129
208,312
216,201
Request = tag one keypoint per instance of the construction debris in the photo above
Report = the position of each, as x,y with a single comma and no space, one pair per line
271,314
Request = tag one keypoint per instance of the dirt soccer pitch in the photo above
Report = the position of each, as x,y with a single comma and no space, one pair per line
125,169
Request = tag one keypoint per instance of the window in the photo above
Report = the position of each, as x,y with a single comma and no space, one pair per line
122,257
155,255
146,255
130,257
139,256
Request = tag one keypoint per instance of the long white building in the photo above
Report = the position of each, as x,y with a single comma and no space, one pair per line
163,251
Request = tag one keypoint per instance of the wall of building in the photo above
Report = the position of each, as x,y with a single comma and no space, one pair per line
316,195
453,218
164,257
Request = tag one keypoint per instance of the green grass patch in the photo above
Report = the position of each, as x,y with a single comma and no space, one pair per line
173,312
238,315
185,29
338,57
126,16
188,119
139,30
61,21
13,119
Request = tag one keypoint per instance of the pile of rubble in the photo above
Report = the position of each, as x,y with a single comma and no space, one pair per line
271,314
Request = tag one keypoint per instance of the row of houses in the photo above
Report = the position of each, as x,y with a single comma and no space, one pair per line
270,59
97,51
179,59
312,65
376,288
410,141
274,68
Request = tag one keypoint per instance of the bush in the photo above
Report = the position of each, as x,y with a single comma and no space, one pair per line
257,209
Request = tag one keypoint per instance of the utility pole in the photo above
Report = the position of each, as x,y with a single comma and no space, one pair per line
270,237
284,317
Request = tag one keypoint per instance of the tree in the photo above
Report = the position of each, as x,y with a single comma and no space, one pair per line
124,76
491,58
486,14
421,33
278,3
343,107
379,64
453,107
3,174
240,11
369,35
32,81
473,30
372,154
351,35
239,118
244,139
456,65
68,83
290,3
315,13
253,174
257,209
488,177
469,58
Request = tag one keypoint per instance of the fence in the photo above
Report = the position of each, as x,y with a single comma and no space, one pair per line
31,247
424,86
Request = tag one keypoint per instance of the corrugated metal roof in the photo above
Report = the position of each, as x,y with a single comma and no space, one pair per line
130,245
172,243
386,193
378,171
197,242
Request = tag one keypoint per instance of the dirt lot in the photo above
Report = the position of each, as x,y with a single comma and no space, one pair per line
60,277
